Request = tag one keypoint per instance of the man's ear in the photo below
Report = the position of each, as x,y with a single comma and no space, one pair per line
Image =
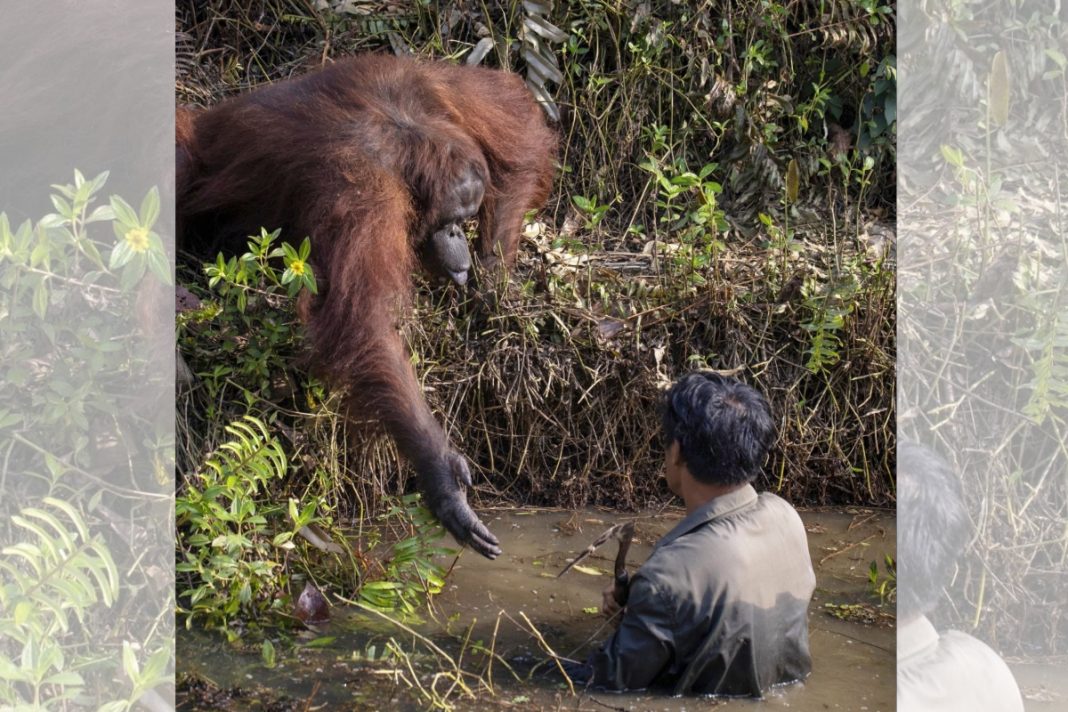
675,452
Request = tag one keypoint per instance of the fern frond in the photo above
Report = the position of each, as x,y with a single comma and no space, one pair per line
252,454
227,546
60,567
830,306
1049,384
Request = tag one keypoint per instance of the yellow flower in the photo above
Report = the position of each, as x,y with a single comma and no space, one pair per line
137,239
297,266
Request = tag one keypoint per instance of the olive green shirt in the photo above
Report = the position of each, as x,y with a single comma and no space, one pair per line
721,605
951,672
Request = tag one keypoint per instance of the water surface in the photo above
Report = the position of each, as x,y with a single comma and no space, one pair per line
500,604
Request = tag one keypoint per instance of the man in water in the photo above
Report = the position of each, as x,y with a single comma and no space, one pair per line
952,670
720,607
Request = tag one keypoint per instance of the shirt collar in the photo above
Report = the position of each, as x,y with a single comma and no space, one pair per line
712,509
914,637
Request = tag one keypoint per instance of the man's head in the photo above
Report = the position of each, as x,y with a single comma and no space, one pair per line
723,427
933,527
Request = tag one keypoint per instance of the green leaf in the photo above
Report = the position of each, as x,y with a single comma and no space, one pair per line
1058,58
67,678
149,212
282,539
120,255
23,611
62,207
321,642
100,213
267,651
89,248
59,530
40,255
51,221
99,182
124,212
160,266
129,662
132,273
953,156
40,299
72,514
64,189
154,670
307,514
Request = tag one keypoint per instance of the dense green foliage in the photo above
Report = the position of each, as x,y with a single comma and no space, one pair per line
241,544
79,454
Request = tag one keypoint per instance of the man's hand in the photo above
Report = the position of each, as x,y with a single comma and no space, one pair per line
609,606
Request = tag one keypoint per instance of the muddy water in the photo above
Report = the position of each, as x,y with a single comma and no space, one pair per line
1044,687
853,651
853,662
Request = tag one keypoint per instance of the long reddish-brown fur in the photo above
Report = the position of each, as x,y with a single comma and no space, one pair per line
359,156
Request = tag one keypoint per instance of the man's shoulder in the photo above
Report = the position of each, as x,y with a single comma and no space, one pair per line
721,541
773,502
960,672
974,654
778,514
768,513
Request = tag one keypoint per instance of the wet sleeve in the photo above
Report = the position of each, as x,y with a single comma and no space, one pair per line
644,644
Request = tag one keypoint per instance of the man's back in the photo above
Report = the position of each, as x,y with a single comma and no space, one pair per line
721,605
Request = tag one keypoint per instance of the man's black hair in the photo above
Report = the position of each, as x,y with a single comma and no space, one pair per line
723,426
933,527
